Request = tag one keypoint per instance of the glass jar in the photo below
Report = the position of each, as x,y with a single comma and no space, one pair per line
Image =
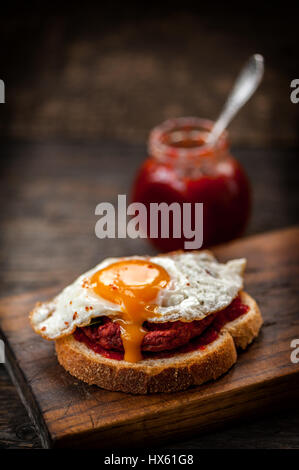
181,167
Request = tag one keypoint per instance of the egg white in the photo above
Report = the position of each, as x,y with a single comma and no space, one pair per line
199,285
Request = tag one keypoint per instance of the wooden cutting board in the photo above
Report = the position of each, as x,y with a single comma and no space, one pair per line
69,413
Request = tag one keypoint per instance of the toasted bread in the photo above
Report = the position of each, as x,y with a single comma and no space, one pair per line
171,374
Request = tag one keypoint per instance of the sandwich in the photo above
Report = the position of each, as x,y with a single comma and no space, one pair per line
145,324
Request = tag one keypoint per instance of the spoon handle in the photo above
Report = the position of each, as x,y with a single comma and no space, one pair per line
245,85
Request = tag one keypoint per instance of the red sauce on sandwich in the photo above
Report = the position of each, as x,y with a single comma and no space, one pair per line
160,339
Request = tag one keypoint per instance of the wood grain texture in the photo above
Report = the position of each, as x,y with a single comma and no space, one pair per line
48,193
16,428
70,413
64,83
101,71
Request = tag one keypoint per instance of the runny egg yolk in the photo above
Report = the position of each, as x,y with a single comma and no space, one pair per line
134,286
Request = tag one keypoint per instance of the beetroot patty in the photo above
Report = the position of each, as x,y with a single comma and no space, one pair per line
160,336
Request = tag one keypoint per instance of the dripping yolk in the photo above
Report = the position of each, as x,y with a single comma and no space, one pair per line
134,286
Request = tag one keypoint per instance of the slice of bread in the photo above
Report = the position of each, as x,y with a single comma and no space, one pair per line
162,375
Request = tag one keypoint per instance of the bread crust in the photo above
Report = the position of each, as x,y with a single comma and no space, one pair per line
162,375
150,375
245,328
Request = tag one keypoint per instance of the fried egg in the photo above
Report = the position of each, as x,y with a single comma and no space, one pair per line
178,286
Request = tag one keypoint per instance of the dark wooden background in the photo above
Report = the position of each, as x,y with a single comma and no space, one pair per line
83,88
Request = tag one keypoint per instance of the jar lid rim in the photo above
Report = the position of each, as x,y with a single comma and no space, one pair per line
157,146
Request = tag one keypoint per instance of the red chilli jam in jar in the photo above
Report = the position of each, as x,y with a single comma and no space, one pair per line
181,168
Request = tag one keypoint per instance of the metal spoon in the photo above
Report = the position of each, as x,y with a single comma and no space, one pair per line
245,85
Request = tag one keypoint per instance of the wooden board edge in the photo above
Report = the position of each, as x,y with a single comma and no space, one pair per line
282,391
26,395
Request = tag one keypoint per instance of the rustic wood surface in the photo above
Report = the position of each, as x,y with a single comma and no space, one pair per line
49,191
67,412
